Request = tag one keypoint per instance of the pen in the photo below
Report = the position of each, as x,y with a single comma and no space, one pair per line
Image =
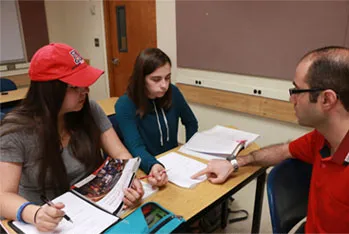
150,175
50,203
239,147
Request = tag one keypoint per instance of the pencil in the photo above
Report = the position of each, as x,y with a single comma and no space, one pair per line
150,175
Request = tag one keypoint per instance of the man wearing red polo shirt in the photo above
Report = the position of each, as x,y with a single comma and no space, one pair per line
321,101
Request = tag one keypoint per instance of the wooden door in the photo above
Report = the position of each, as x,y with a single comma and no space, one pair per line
130,27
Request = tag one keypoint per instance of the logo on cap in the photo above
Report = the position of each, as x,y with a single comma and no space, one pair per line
76,56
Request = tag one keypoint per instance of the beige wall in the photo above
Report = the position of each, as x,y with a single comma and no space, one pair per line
78,22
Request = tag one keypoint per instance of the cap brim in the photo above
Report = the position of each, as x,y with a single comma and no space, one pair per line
84,77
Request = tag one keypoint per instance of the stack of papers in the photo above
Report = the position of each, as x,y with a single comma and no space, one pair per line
181,168
217,142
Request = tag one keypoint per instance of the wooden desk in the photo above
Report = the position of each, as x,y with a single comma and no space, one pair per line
193,203
14,95
108,105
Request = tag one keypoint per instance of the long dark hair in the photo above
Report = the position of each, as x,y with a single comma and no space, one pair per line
39,111
146,63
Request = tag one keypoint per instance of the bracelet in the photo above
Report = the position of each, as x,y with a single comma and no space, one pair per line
234,163
36,212
20,211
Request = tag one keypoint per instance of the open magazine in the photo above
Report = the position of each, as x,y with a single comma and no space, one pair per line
93,203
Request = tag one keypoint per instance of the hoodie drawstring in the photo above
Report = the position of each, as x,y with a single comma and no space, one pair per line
159,125
166,124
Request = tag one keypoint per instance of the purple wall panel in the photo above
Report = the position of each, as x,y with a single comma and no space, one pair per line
260,38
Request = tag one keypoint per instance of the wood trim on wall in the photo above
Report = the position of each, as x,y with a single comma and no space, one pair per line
21,80
260,106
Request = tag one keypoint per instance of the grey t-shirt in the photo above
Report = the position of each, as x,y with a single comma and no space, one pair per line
21,147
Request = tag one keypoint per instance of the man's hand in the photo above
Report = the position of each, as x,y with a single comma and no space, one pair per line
217,171
48,217
158,176
133,195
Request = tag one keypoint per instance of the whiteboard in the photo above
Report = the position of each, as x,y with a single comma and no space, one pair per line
11,42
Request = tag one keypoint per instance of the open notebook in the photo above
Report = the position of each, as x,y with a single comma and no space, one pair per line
93,203
217,142
181,168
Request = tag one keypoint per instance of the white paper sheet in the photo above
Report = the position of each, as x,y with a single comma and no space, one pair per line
232,134
86,218
211,144
181,168
148,190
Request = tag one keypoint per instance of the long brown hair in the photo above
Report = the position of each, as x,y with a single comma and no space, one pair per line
146,63
38,112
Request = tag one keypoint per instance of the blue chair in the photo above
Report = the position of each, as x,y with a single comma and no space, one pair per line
113,121
116,127
6,85
288,190
2,115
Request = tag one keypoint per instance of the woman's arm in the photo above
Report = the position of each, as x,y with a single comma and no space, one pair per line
126,118
47,218
10,201
188,118
112,145
110,141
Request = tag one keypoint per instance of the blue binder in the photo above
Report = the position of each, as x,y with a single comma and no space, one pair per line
149,218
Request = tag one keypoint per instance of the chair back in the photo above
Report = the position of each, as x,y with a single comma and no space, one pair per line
7,85
112,119
2,115
288,190
116,127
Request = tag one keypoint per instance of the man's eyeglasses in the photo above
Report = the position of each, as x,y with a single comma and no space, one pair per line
296,90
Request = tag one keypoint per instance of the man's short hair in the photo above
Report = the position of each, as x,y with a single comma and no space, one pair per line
329,70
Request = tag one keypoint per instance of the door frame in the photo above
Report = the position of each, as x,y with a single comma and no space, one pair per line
108,48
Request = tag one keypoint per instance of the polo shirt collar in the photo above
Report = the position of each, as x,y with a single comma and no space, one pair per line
341,156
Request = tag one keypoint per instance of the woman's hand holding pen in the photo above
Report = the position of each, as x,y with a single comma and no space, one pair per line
133,195
158,175
48,217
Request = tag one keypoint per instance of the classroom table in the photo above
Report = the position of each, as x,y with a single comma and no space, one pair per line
194,203
13,95
108,105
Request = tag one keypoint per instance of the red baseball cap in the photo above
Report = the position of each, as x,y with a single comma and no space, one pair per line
58,61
